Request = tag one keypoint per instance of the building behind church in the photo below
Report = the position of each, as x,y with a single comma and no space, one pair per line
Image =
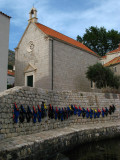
112,60
4,43
45,58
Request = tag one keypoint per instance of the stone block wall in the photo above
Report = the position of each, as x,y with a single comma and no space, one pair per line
70,65
39,57
34,96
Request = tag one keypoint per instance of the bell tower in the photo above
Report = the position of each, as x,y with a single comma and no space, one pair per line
33,15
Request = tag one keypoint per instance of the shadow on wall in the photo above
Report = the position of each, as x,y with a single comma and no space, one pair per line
19,73
44,82
79,84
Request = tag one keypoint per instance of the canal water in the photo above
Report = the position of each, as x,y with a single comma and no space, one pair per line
101,150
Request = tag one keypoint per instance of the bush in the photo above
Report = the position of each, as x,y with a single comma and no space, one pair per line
102,76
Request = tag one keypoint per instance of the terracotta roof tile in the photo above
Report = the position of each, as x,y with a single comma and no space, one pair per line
11,73
115,50
114,61
103,57
64,38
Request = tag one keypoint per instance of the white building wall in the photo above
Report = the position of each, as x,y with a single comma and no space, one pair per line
109,57
10,80
4,44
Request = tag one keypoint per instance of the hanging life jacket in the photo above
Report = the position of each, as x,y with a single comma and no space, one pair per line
83,112
28,114
61,114
49,110
39,114
45,109
65,113
95,113
113,108
87,113
106,111
79,111
71,110
42,110
91,113
52,113
56,113
75,109
22,114
15,113
68,112
34,115
103,112
110,110
98,113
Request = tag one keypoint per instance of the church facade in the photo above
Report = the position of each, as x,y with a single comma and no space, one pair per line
50,60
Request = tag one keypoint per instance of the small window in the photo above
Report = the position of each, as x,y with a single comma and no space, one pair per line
30,81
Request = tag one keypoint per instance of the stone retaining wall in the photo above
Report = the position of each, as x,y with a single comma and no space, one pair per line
33,96
45,145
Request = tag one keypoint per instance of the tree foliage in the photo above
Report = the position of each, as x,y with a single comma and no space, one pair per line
102,76
100,40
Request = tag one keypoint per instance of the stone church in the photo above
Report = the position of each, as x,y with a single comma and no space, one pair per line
50,60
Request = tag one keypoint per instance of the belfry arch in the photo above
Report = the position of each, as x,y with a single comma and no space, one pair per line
33,15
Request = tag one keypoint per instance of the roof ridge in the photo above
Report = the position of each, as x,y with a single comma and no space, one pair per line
117,49
60,33
112,61
54,30
53,33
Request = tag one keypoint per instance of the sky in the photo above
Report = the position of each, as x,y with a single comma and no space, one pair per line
70,17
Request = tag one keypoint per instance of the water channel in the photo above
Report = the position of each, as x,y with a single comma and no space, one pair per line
101,150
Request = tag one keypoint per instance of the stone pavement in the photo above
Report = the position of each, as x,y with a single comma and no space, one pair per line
44,144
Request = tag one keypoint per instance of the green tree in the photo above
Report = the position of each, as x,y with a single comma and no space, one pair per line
100,40
102,76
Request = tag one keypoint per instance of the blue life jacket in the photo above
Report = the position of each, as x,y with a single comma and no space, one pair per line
15,113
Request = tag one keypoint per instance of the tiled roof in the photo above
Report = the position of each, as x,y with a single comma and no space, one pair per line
115,50
103,57
4,14
64,38
11,73
114,61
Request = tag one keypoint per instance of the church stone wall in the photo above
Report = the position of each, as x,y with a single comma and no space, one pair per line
54,60
38,57
70,66
34,96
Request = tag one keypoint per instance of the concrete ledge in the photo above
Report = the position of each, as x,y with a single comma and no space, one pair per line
46,144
